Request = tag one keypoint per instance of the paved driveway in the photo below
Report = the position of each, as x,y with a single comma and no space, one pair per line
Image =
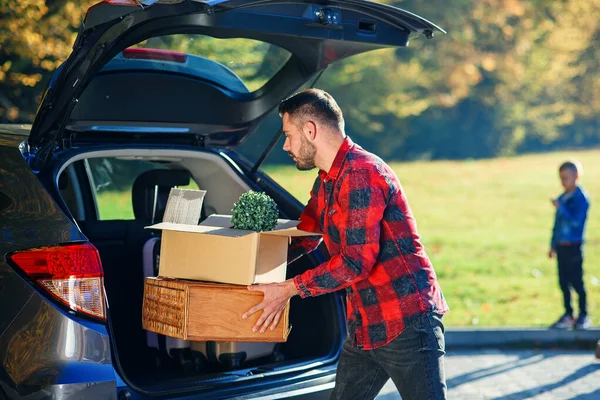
508,375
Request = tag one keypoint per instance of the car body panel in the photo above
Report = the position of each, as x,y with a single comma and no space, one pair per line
44,347
30,219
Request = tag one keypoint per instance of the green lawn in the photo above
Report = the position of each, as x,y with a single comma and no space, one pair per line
486,226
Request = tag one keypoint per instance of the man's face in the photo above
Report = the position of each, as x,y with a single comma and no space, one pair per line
300,149
568,178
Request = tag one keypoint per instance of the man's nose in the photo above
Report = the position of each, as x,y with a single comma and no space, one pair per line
286,145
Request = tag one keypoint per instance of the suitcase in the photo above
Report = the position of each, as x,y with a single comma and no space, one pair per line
169,349
233,355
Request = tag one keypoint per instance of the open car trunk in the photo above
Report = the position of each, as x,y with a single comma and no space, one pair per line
317,323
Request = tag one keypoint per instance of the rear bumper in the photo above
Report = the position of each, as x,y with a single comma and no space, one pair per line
316,384
89,390
306,391
313,390
46,353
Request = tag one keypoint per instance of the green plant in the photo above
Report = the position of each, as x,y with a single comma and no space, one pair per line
255,211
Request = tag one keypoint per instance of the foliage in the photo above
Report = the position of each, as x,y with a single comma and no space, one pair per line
510,76
36,36
255,211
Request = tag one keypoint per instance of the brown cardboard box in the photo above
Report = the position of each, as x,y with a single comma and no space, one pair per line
201,311
215,252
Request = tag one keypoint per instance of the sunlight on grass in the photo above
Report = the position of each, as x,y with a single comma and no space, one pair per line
118,205
486,226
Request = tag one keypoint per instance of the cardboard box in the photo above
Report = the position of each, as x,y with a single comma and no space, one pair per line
201,311
215,252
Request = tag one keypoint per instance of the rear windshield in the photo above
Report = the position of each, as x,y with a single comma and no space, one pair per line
253,61
179,79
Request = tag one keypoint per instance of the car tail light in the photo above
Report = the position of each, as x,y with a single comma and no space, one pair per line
154,54
72,274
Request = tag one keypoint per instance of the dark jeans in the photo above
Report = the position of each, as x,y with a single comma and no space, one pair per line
570,275
414,361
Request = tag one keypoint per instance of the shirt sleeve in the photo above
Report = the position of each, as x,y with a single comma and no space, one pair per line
553,237
362,199
308,222
577,217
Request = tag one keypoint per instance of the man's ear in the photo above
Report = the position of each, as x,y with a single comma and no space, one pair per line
310,129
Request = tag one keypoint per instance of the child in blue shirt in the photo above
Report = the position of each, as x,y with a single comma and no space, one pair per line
566,244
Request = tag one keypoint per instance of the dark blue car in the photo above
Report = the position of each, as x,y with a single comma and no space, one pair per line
158,94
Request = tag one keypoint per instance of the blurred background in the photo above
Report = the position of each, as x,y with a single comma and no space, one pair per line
475,123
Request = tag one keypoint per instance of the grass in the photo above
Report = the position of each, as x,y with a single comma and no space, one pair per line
486,226
118,205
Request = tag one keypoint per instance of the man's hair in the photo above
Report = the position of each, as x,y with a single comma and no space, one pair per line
574,166
315,104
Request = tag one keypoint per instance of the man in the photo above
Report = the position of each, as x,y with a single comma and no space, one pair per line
395,304
566,243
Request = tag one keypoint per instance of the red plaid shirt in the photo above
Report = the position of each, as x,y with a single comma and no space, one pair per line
371,235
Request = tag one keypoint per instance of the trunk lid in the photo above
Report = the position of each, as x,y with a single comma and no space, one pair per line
314,33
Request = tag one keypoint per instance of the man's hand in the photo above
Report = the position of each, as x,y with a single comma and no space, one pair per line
555,203
551,253
277,295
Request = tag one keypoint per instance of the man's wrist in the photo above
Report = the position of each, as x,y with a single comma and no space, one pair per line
293,290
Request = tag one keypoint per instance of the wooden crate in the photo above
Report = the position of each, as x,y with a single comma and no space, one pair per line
202,311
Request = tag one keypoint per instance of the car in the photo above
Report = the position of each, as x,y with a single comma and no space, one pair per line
155,95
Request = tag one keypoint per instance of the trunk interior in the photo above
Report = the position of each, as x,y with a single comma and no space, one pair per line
148,360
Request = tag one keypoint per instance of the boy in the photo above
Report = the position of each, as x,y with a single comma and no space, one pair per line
567,240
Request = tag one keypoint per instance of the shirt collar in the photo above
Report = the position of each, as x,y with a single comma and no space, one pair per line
334,171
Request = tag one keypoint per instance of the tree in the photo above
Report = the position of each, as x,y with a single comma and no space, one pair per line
513,75
35,38
510,75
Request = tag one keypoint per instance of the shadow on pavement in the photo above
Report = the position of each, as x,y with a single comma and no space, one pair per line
580,373
523,360
588,396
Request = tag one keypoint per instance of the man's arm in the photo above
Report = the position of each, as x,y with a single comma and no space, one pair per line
301,246
362,197
309,221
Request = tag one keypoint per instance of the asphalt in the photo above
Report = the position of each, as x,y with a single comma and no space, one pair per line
519,363
517,374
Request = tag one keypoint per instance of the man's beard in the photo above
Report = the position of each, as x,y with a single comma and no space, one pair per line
305,160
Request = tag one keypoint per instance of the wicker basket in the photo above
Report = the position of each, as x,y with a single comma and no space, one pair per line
202,311
164,307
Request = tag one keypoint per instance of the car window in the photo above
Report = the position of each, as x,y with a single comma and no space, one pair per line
253,61
112,181
255,144
277,165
